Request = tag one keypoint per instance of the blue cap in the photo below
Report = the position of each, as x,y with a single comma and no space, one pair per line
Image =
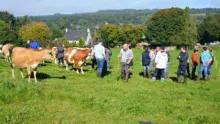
101,40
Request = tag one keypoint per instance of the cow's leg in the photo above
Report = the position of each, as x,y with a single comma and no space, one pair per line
29,73
35,75
12,71
66,64
77,68
82,70
21,73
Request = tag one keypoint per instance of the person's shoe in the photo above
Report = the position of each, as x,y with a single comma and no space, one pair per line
153,79
179,79
162,80
185,80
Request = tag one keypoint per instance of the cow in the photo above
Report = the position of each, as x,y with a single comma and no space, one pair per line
76,56
6,51
47,50
28,58
1,48
54,52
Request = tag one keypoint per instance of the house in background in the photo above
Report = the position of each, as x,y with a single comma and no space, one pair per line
76,35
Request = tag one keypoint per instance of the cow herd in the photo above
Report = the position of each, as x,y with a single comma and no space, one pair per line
27,58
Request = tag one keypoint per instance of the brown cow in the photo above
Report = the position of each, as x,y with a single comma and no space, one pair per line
76,56
6,52
28,58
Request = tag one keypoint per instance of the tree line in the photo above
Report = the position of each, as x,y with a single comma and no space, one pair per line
172,26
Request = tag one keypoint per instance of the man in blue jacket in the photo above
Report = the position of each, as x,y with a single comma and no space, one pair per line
183,57
145,61
34,45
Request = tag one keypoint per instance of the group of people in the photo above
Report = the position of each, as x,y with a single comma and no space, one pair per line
158,60
32,44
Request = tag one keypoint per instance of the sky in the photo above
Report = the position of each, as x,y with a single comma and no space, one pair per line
49,7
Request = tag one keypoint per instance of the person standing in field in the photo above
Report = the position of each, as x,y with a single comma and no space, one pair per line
126,56
107,59
60,55
93,58
152,57
161,62
99,51
129,47
27,44
166,69
145,61
194,63
206,60
183,57
210,65
34,45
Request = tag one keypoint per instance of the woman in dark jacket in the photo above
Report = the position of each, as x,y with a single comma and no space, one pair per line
60,54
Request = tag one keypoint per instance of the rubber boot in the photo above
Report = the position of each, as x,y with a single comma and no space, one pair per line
179,79
145,74
149,75
185,80
162,80
123,75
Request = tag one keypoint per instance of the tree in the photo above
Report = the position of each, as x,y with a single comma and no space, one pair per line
5,32
81,42
7,18
172,26
35,30
209,29
57,33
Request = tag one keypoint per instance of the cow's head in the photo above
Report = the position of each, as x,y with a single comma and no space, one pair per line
47,55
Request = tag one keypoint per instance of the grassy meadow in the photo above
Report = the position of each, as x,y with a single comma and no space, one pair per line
62,96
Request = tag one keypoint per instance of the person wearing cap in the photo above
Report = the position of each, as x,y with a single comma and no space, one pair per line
183,57
60,55
99,52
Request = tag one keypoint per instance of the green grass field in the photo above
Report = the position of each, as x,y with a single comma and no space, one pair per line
63,96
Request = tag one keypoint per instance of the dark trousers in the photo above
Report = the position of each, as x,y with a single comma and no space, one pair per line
194,71
188,70
93,63
182,69
161,71
60,60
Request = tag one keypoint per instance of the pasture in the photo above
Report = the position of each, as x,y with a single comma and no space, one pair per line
63,96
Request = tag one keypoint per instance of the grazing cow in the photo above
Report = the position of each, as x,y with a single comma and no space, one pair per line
54,52
76,56
28,58
6,51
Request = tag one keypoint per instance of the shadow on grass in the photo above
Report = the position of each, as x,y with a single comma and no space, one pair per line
174,79
43,76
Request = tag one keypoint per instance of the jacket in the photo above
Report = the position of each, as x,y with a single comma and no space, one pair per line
183,57
145,58
60,51
161,60
34,45
194,59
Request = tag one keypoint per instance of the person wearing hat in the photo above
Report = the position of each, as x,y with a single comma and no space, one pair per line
99,52
60,55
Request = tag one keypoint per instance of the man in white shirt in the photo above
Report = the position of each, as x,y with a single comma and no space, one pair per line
99,52
161,62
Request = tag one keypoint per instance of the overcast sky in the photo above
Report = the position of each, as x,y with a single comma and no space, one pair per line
45,7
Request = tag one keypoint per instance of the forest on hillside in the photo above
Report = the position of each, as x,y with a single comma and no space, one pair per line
117,17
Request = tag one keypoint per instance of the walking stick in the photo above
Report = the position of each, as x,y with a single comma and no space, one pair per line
118,73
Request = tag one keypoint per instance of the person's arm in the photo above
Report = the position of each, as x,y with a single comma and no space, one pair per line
131,57
157,58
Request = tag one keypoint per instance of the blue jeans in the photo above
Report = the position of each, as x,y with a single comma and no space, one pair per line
157,71
100,63
147,68
203,68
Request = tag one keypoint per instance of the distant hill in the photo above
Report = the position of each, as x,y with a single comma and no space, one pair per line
126,16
